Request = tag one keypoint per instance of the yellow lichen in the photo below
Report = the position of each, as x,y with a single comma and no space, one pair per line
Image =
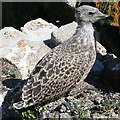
111,8
50,116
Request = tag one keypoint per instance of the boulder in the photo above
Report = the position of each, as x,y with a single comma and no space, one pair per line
25,55
26,48
38,30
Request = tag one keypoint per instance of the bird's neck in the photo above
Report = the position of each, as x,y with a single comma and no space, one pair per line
85,26
85,32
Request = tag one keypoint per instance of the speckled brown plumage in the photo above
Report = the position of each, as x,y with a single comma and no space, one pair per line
64,66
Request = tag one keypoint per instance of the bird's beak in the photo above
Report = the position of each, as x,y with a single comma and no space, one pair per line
106,17
103,16
109,18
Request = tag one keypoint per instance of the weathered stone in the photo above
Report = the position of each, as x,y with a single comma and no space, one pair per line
9,36
113,115
98,99
97,115
26,48
26,54
63,108
38,30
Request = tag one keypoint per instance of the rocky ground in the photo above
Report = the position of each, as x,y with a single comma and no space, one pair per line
93,100
89,104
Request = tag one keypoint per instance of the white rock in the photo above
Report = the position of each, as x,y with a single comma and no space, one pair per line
2,95
38,30
25,49
101,49
8,37
72,3
64,33
25,55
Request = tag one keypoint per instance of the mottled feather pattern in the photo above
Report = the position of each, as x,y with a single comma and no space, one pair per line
59,70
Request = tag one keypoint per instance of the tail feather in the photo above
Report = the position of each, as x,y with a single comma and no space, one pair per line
23,95
18,105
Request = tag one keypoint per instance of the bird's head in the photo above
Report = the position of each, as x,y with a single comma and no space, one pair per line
88,14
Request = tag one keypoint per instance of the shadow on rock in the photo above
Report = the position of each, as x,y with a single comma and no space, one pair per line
108,79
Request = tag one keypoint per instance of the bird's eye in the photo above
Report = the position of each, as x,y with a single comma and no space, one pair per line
91,13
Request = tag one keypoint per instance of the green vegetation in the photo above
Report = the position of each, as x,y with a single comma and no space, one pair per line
82,113
12,74
29,114
100,91
32,113
111,103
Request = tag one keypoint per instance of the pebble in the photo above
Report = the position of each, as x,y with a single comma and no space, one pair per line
65,115
98,100
63,108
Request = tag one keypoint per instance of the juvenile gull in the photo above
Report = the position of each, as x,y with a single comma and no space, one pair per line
63,67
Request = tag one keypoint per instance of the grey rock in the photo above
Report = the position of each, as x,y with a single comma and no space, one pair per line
97,115
113,115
